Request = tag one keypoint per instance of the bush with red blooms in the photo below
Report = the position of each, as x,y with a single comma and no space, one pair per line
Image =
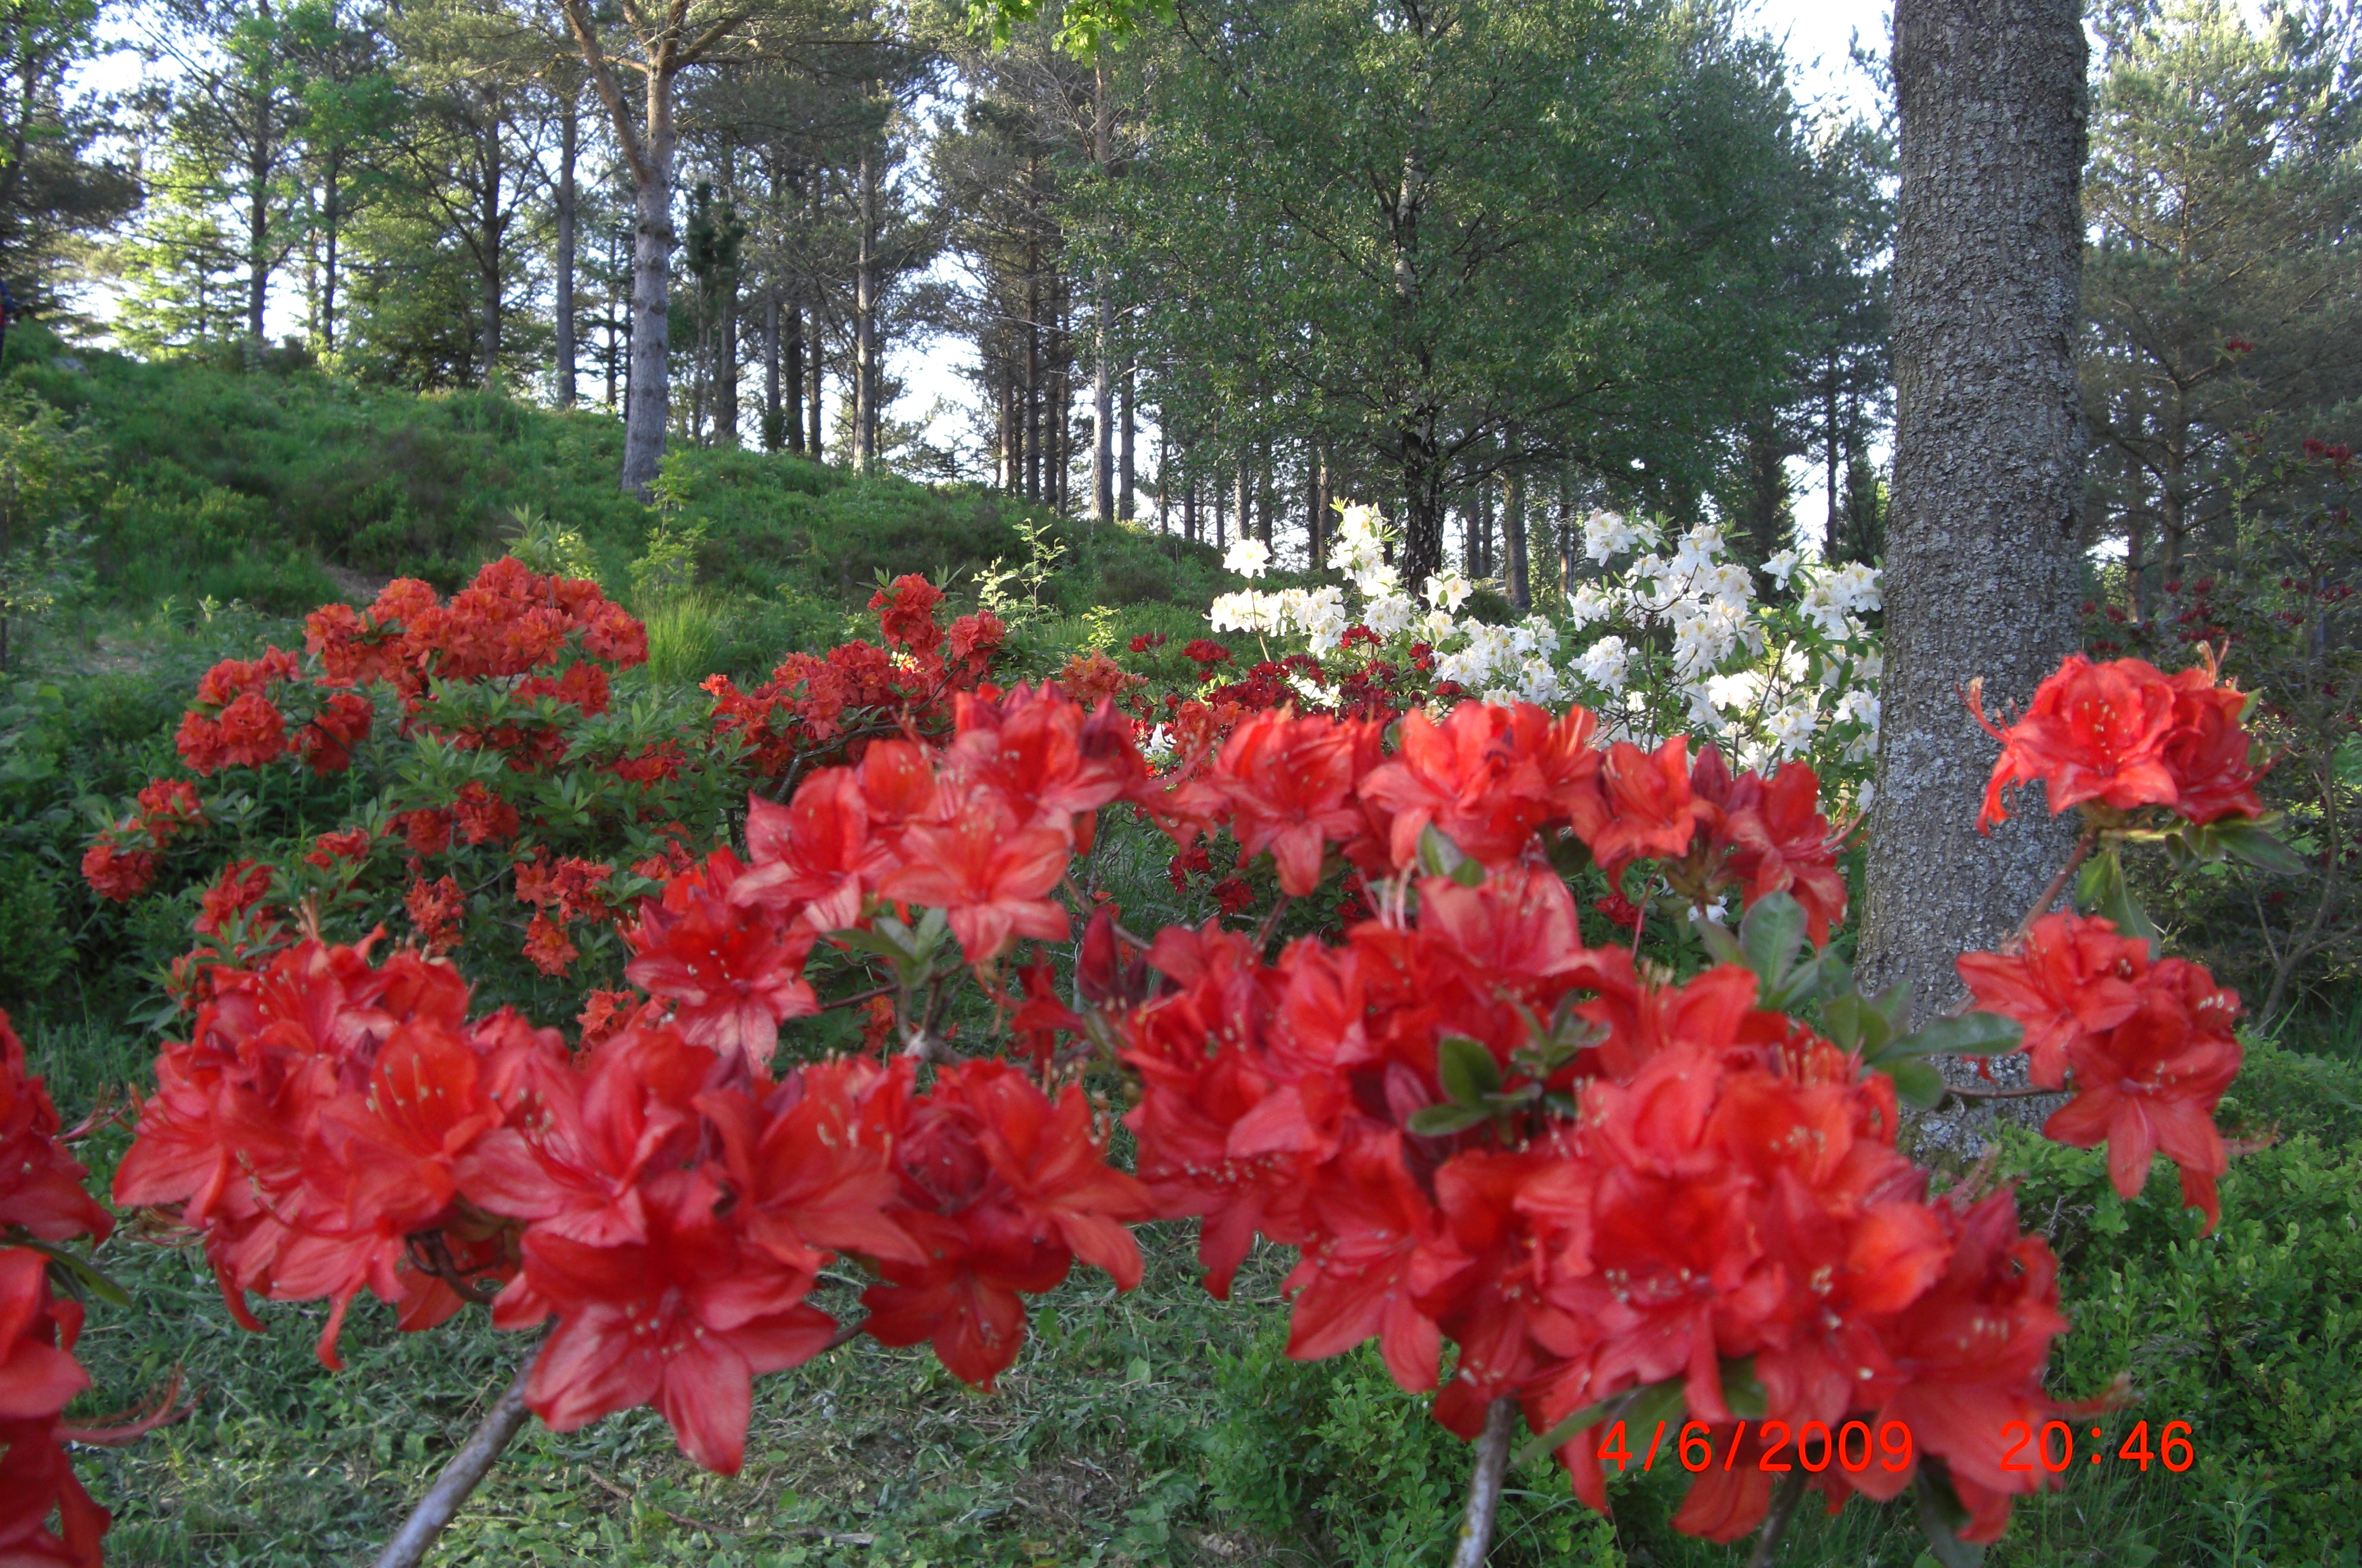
512,809
1552,1181
45,1515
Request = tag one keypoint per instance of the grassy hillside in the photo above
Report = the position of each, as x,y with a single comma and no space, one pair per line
202,484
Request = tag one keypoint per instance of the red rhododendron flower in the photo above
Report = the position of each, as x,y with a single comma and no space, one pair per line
1642,806
815,856
167,806
1486,778
114,872
436,909
906,612
2153,1081
2093,732
546,944
349,844
734,979
253,732
41,1188
38,1377
427,832
482,816
2071,976
1004,1191
2207,752
987,873
1287,785
241,886
683,1318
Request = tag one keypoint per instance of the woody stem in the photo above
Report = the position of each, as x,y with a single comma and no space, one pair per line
2058,885
1775,1523
462,1476
1485,1485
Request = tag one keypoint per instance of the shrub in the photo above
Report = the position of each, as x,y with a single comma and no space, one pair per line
2253,1335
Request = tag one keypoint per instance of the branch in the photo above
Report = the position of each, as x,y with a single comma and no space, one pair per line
464,1473
2058,884
1485,1485
1775,1523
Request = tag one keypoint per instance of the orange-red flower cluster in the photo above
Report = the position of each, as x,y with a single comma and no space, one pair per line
812,700
2146,1047
333,1126
314,1120
2126,736
1654,1184
237,720
122,862
1490,778
510,622
45,1515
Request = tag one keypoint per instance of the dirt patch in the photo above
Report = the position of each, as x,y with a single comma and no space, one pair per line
360,587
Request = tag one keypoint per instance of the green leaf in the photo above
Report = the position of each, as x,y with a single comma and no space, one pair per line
1466,1070
1843,1020
1437,856
2252,842
1941,1516
1443,1120
81,1268
1918,1083
1770,936
1741,1390
1721,943
1970,1034
2102,890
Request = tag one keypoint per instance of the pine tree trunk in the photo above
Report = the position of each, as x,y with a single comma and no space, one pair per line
489,256
1126,480
1513,539
865,314
1982,558
650,405
773,430
570,138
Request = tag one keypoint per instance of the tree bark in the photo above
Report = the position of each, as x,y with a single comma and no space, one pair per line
865,316
1102,318
1981,563
1512,541
569,142
1126,476
773,431
488,257
651,405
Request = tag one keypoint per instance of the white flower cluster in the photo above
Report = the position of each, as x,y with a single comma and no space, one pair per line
1317,614
1673,638
1678,637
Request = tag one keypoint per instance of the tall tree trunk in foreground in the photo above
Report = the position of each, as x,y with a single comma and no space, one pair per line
1102,319
1981,567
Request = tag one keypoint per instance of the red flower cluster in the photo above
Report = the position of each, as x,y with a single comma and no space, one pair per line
41,1196
313,1122
122,862
331,1126
814,702
1490,780
510,622
2126,736
2146,1047
1657,1184
237,722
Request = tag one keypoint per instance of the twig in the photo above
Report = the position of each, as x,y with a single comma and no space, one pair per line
858,999
1775,1523
1485,1485
462,1476
2017,1091
1270,923
432,1255
2058,885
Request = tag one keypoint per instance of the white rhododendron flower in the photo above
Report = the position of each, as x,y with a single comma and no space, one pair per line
1158,746
1603,664
1248,558
1781,565
1448,591
1389,615
1792,729
1591,603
